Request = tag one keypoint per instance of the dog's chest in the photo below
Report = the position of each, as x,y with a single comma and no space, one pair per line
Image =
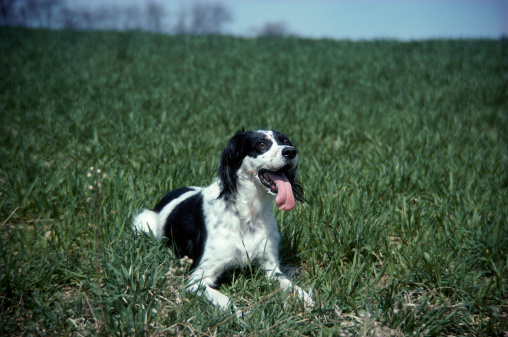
238,232
249,244
241,242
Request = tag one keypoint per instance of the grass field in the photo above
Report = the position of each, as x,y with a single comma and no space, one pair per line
403,157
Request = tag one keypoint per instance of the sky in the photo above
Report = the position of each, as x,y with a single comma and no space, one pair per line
371,19
362,19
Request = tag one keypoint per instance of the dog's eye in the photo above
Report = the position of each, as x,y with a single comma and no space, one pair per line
287,142
262,145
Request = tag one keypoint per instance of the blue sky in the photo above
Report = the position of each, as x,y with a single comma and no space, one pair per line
363,19
367,19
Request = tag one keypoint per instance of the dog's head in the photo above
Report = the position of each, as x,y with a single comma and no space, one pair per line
268,159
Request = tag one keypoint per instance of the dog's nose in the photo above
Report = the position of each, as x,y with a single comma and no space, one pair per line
289,152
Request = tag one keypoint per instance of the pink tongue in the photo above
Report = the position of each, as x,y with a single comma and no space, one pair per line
285,199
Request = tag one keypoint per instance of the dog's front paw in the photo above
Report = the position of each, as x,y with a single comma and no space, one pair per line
305,297
241,314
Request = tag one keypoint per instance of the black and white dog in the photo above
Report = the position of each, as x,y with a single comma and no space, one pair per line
231,222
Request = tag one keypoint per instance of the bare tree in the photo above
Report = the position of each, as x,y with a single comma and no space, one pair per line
132,19
155,14
68,19
37,13
203,18
200,18
7,11
182,23
78,18
274,29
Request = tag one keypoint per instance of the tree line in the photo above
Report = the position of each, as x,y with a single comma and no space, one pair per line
197,18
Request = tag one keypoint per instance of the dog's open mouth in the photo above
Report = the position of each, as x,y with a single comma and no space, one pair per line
278,184
267,181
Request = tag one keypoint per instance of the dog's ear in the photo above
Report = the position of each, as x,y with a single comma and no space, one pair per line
230,161
296,185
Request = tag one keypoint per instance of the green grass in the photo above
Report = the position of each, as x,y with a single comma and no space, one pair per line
403,156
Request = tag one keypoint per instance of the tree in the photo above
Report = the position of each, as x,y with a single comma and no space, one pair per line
200,18
37,13
6,11
77,18
155,14
132,19
274,29
203,19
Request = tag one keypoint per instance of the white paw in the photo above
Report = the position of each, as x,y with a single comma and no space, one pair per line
304,296
241,314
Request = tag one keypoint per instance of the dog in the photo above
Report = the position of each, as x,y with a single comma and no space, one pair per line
231,223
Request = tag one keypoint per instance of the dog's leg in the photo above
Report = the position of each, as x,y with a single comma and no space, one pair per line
203,286
272,271
285,283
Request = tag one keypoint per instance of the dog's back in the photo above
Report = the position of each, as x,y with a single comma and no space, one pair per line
178,217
